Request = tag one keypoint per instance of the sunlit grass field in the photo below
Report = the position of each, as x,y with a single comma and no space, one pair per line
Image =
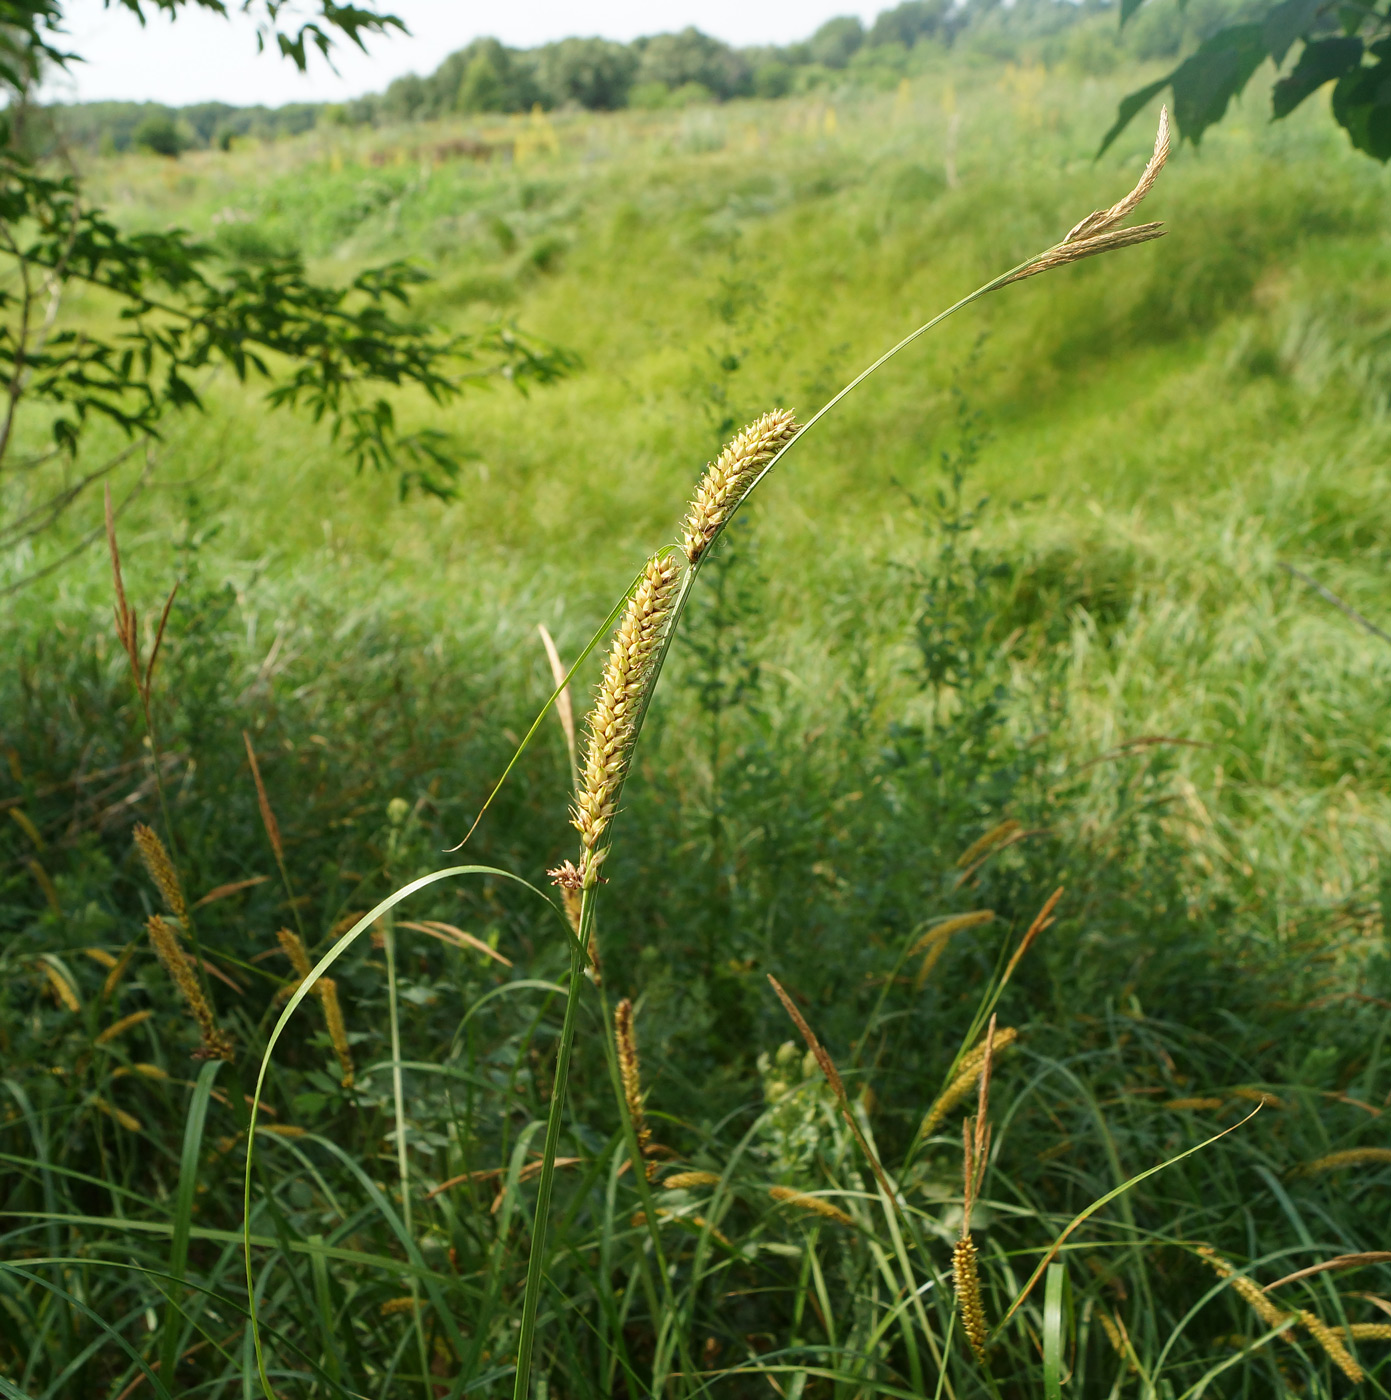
1031,571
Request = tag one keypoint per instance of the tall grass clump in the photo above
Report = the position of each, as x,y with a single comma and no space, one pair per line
568,1139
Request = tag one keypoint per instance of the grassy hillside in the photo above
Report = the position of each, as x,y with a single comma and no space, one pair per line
1031,571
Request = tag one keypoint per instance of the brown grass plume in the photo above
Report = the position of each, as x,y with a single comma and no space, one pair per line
216,1043
161,871
630,1071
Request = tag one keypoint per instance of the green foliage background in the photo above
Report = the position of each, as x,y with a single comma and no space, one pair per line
1031,572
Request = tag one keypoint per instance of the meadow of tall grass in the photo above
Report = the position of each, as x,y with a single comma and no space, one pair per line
1013,620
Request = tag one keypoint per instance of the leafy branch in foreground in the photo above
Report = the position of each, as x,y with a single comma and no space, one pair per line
1347,45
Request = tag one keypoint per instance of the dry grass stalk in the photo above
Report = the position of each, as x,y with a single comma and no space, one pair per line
1098,232
968,1072
118,1028
326,989
727,479
616,708
160,869
1042,920
679,1181
267,815
564,707
127,624
818,1050
1104,220
63,990
216,1043
1352,1157
816,1204
1337,1263
630,1070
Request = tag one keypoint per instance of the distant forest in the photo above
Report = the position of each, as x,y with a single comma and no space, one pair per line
666,70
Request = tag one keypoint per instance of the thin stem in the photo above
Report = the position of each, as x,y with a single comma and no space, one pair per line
536,1264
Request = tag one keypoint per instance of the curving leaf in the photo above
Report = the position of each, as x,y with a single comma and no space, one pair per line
1322,61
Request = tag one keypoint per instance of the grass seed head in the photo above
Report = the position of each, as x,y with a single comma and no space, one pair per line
63,990
616,708
1332,1345
126,1023
967,1074
631,1073
815,1204
216,1043
965,1272
327,989
727,479
1351,1157
679,1181
161,871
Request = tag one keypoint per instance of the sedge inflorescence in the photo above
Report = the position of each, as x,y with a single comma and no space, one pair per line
612,721
728,478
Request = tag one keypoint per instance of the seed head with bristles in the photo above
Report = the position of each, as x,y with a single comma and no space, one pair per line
965,1079
216,1043
727,479
161,871
965,1274
326,989
616,708
815,1204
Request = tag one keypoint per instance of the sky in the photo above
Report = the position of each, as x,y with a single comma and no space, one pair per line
200,58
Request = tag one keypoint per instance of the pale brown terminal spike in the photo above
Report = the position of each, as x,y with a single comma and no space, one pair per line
728,478
617,706
1104,219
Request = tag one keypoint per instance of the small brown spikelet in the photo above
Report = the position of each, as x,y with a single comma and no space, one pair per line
1352,1157
217,1044
327,989
968,1072
966,1279
122,1026
293,949
161,871
631,1073
727,479
815,1204
678,1181
621,693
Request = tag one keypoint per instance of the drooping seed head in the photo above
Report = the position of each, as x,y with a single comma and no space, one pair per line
965,1079
816,1204
161,871
727,479
617,705
630,1072
216,1043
